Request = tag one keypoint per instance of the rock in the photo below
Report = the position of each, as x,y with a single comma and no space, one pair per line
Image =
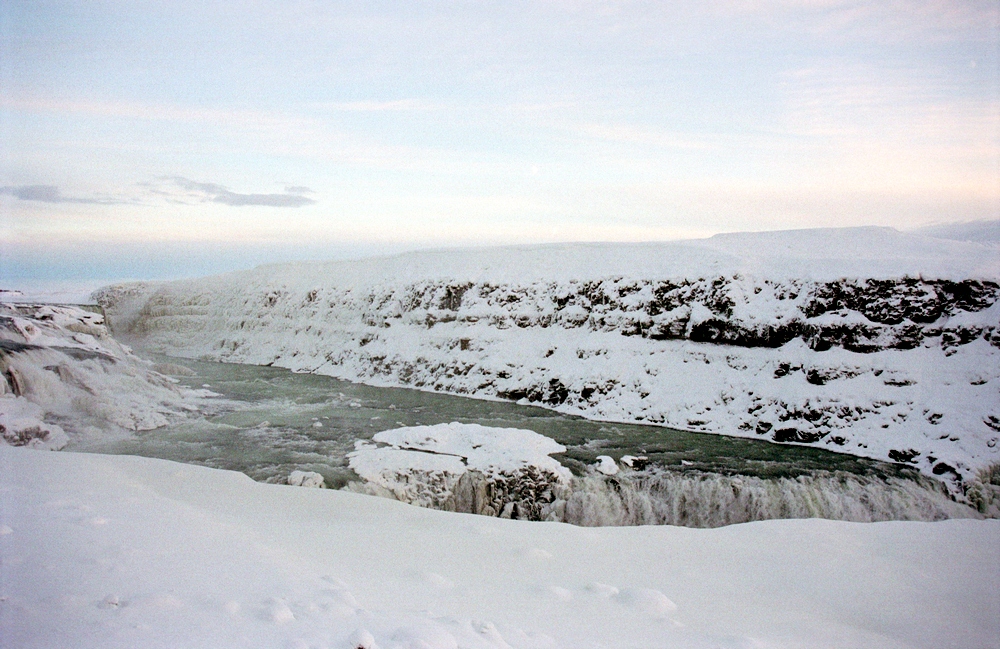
606,465
306,479
637,463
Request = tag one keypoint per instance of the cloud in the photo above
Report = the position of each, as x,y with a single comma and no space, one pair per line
374,106
219,194
51,194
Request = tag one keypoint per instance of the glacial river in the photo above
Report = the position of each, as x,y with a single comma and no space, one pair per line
268,422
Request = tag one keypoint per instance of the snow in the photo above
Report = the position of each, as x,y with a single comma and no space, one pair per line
116,551
22,424
478,448
986,231
60,363
861,340
606,465
61,291
464,467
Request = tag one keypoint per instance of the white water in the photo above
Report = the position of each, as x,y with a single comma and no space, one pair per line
713,500
658,497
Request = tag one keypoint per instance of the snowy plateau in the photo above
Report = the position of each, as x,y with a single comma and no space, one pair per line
866,341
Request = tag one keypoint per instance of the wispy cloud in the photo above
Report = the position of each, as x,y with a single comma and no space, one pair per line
378,106
627,133
212,192
915,21
51,194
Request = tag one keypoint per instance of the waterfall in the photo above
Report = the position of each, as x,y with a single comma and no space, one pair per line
696,499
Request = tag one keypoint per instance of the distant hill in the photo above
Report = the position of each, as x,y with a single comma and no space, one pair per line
975,231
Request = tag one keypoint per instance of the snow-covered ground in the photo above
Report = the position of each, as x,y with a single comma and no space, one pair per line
114,551
863,340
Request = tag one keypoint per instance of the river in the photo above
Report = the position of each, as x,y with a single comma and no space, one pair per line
269,421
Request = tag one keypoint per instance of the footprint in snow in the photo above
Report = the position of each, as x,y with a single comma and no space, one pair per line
276,610
438,580
5,530
426,634
563,594
339,584
489,631
646,600
363,639
602,590
336,602
111,602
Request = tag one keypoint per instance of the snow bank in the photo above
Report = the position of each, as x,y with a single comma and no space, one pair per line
467,468
62,373
866,340
115,551
21,424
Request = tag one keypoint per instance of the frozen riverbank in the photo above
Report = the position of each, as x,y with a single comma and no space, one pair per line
867,341
122,552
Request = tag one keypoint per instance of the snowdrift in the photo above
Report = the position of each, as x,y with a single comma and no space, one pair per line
115,551
865,340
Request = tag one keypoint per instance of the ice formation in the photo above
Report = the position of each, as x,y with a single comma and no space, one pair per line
865,340
504,472
63,376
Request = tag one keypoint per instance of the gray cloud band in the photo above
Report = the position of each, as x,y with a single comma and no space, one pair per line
220,194
51,194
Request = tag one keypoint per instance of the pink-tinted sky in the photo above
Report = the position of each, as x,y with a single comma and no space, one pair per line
165,139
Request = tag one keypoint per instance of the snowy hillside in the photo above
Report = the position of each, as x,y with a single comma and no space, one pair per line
865,340
111,551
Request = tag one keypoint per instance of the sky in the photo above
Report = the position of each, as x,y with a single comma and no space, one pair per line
165,139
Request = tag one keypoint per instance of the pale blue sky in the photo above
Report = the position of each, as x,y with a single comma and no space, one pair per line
175,138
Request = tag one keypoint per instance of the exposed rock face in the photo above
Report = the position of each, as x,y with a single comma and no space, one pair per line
862,315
